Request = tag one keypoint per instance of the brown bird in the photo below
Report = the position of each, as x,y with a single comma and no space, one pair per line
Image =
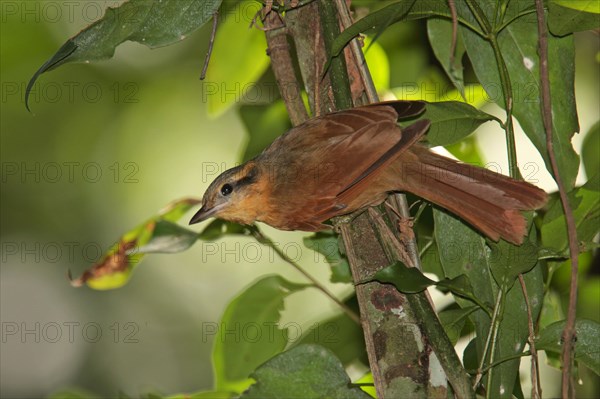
349,160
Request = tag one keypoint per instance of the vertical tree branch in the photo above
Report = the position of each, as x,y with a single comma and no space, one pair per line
304,26
283,68
568,388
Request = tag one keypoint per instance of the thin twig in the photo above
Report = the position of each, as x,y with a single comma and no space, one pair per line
260,237
211,42
568,388
536,387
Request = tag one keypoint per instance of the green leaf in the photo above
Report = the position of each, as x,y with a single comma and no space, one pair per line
451,121
378,20
72,394
582,5
459,285
519,47
587,303
379,65
507,261
470,355
153,23
590,150
203,395
158,234
168,237
410,280
327,244
440,38
341,335
464,252
368,379
264,123
453,321
430,261
219,228
406,279
586,347
585,202
248,333
238,60
307,372
552,310
467,150
404,10
563,19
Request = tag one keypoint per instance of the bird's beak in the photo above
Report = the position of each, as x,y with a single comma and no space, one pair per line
204,213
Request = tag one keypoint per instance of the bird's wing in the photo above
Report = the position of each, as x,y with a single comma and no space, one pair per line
335,157
410,135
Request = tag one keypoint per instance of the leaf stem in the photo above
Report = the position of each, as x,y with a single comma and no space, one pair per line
495,328
513,19
488,340
479,17
261,238
506,86
476,301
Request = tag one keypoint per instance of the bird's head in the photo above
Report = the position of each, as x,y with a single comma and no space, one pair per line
233,195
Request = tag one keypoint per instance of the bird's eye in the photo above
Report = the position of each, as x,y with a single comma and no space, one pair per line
226,189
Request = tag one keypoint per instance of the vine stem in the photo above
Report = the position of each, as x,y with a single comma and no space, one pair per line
568,335
260,237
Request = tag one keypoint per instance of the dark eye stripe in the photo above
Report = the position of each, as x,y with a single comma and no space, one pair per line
250,177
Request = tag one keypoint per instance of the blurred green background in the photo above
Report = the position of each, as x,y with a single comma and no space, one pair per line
105,147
